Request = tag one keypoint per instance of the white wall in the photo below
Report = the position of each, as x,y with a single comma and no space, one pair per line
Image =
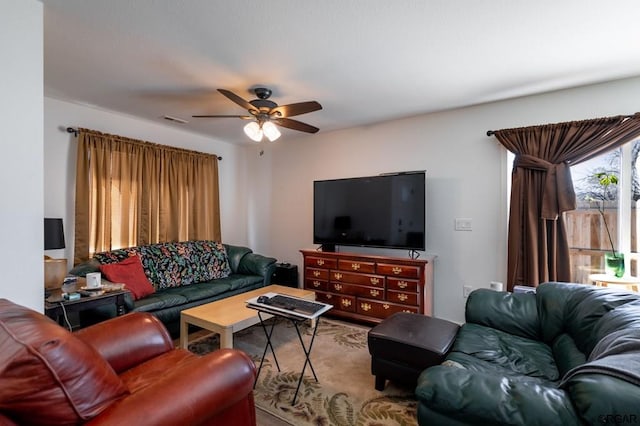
21,224
60,160
466,177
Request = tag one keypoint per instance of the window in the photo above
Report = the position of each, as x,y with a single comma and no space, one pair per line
586,231
131,192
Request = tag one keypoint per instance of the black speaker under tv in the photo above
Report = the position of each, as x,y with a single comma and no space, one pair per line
385,211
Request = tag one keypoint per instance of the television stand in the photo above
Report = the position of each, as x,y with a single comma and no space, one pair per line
369,288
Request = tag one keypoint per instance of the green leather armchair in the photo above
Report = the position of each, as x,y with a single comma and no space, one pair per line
566,355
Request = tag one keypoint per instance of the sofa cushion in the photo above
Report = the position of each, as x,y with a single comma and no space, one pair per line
486,398
176,264
586,306
521,355
576,309
236,281
130,273
235,255
514,313
626,316
48,375
163,299
201,291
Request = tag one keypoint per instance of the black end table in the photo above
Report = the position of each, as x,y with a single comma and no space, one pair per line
56,310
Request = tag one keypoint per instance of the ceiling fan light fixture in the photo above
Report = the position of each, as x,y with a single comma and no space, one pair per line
254,131
271,131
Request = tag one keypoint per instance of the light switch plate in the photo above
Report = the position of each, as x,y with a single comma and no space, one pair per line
463,224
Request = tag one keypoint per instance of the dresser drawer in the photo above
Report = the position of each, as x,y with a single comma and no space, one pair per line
319,262
355,278
316,274
356,290
318,285
402,284
378,309
403,297
340,302
357,266
398,270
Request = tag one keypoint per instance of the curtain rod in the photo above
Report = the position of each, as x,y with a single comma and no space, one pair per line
75,133
493,132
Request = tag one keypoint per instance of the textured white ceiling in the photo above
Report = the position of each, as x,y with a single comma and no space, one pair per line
365,61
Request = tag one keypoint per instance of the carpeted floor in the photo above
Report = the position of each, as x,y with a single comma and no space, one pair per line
344,394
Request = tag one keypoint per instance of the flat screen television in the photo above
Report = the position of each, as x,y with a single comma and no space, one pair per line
376,211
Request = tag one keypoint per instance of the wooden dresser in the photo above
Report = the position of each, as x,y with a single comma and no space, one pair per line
369,288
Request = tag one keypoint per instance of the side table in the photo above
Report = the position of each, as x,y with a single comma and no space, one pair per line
56,310
604,280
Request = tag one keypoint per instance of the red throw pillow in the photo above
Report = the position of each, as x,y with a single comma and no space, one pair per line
130,273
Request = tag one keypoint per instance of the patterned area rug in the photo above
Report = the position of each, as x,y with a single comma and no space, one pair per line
344,394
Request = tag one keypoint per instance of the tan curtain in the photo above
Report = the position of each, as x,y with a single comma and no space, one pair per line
131,192
542,190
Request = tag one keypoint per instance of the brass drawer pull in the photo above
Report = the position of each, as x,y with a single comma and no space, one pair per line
402,297
346,302
320,262
396,270
316,284
337,276
402,284
337,286
329,296
374,293
375,281
365,307
355,266
386,306
316,273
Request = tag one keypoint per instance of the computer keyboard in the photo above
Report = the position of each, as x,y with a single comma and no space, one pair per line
293,304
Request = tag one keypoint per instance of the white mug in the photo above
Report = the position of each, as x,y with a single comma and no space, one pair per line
94,280
496,285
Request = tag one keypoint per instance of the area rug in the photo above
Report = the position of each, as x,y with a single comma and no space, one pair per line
344,394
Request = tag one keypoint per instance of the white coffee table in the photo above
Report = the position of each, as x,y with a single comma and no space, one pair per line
226,316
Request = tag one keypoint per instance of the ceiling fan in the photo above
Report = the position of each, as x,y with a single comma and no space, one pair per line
265,114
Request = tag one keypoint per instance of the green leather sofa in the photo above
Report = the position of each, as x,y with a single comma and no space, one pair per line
566,355
246,271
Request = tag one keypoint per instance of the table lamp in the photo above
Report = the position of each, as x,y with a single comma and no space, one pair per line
54,269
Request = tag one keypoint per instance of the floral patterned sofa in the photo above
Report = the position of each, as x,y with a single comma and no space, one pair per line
178,276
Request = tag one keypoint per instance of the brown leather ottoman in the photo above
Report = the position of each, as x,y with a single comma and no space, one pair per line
404,344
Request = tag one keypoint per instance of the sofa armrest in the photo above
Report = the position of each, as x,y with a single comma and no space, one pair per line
256,264
190,393
128,340
477,397
513,313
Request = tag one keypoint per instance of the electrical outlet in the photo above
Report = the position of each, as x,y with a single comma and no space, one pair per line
466,291
463,224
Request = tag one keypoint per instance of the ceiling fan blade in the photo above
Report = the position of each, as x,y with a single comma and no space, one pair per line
244,117
295,125
295,109
238,100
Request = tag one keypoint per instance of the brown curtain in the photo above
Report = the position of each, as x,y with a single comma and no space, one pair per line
131,192
542,190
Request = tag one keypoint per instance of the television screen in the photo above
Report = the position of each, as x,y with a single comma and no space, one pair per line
376,211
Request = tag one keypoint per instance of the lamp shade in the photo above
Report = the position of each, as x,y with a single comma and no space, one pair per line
270,131
53,234
254,131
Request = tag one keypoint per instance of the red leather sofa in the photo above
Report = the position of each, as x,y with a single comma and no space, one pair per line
118,372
